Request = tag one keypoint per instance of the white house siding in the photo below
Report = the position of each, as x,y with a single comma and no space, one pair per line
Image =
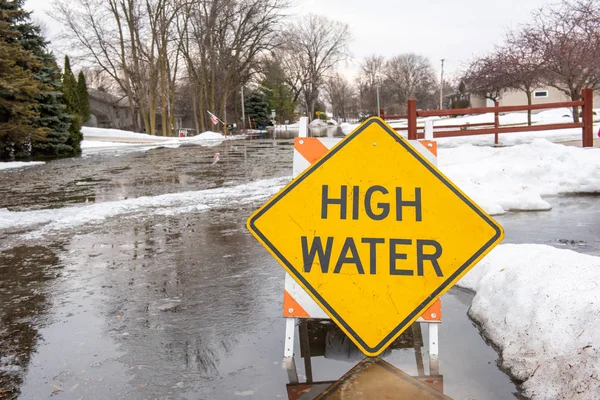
517,98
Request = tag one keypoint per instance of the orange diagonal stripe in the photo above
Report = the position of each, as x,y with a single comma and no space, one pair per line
433,313
289,303
432,148
311,148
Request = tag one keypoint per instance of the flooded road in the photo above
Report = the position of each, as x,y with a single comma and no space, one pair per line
129,274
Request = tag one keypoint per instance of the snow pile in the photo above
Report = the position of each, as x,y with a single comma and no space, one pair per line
541,307
208,135
18,164
207,138
500,179
48,221
317,123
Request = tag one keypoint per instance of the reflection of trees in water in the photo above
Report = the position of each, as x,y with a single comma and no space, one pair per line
183,292
24,273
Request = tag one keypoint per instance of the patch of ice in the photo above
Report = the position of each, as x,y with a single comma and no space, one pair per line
8,365
18,164
541,307
244,393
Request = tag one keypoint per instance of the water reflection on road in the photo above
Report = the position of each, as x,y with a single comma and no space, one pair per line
188,306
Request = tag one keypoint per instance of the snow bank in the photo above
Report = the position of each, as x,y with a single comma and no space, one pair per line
500,179
93,144
118,133
208,135
18,164
541,307
48,221
207,138
99,139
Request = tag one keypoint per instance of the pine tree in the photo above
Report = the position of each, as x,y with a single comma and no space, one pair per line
71,98
84,100
53,115
277,93
18,87
257,110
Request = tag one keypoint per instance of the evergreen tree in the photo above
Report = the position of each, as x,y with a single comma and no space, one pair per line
257,109
53,114
18,87
71,99
49,123
278,94
84,100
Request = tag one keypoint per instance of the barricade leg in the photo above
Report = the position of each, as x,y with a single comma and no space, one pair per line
288,352
434,362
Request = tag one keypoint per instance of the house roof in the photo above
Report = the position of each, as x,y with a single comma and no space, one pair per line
106,97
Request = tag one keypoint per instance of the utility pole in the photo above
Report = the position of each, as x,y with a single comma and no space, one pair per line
243,110
378,107
377,87
442,87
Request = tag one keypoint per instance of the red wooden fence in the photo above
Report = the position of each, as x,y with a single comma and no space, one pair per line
586,124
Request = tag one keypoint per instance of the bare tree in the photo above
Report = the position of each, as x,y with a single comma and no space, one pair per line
409,75
521,65
339,94
314,46
568,36
485,76
221,43
370,76
114,35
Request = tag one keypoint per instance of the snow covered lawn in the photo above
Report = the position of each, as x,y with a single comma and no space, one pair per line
18,164
102,139
541,307
552,116
515,178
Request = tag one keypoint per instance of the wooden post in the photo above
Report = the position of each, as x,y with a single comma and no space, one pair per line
496,122
587,95
412,119
382,113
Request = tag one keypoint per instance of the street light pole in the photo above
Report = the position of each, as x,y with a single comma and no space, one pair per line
243,111
442,87
378,107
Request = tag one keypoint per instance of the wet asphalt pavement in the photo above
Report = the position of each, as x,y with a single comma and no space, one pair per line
186,304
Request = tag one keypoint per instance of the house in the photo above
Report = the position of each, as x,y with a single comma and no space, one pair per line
511,97
109,111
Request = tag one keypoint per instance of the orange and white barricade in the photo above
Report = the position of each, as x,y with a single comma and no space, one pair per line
296,302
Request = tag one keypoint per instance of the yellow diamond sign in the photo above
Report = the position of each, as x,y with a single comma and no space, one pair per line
375,233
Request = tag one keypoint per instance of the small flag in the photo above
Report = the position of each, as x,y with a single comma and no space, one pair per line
213,118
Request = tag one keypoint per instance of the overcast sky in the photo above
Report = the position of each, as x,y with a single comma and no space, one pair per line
454,30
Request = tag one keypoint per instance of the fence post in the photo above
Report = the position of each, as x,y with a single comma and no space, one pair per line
412,119
496,122
588,117
382,113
